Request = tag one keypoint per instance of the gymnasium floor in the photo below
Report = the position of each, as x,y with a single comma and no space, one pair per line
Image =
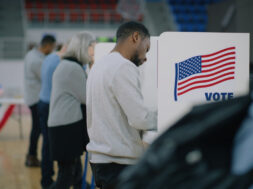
13,173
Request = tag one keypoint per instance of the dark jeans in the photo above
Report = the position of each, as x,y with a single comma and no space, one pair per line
106,174
46,163
69,174
35,130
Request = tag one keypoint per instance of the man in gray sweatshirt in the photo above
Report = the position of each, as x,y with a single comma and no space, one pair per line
32,83
116,114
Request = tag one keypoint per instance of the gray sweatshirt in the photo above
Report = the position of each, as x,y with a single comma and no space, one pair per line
116,114
32,81
68,93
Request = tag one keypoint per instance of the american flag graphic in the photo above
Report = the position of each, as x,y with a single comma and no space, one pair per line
204,71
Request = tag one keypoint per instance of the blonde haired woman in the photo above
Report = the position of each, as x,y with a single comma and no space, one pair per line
67,116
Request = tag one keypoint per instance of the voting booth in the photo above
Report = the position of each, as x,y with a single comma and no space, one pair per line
185,69
197,68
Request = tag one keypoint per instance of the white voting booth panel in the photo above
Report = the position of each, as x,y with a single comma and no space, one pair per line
102,49
149,76
196,68
11,80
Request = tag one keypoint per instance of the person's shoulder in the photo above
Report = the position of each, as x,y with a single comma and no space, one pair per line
35,56
31,58
64,69
119,60
64,63
51,61
128,68
53,57
29,54
70,66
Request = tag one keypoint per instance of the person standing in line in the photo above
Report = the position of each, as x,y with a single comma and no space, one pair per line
67,129
32,83
48,67
116,114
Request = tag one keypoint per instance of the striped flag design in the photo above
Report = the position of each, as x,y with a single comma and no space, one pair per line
204,71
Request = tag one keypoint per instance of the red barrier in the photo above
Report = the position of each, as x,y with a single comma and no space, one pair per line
6,116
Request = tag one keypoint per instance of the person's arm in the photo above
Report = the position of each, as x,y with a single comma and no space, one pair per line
127,90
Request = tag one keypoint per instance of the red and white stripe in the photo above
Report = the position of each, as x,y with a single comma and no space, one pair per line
5,113
217,67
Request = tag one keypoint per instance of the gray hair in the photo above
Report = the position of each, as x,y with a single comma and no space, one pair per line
78,47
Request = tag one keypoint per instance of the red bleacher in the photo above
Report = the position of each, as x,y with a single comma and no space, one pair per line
94,11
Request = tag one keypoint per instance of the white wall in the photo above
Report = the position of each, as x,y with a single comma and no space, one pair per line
11,76
62,35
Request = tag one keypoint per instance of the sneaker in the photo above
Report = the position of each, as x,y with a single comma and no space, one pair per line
32,161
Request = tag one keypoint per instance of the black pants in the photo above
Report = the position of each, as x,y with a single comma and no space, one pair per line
106,174
35,131
46,163
69,174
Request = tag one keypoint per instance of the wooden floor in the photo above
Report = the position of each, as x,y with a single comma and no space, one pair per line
13,173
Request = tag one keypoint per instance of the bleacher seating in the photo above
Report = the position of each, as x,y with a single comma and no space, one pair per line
190,15
74,11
